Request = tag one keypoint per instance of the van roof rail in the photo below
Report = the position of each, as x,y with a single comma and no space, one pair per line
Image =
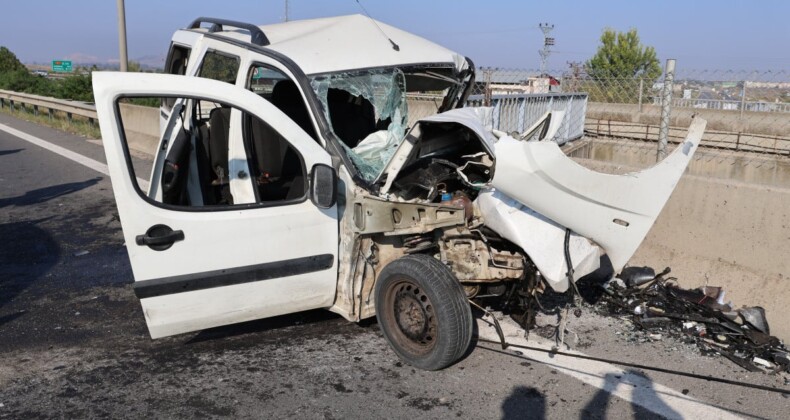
257,36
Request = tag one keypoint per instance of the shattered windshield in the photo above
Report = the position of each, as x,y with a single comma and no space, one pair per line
367,110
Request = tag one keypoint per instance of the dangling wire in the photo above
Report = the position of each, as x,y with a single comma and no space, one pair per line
573,293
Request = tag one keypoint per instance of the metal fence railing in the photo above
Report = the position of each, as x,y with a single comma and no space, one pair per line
728,105
516,112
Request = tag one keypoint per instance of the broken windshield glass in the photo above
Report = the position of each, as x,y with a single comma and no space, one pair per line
367,110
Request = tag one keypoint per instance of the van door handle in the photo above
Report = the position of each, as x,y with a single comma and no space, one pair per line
159,237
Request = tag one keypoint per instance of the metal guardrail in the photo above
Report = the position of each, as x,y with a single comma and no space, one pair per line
517,112
70,108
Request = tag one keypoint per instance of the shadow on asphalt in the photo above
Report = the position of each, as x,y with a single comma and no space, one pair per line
10,151
524,402
643,392
319,316
528,402
42,195
23,260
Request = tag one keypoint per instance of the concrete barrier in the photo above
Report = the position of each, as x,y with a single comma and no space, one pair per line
723,233
141,125
751,168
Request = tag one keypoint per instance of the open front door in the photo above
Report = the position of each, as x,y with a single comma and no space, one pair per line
228,230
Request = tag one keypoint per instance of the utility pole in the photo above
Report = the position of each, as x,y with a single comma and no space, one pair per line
548,42
122,36
286,10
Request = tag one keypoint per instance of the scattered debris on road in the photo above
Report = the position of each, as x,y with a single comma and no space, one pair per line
661,308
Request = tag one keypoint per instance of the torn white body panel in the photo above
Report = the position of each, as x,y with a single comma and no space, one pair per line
615,211
542,239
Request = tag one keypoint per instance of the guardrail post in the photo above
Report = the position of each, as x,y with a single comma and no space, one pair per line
2,103
35,110
666,99
68,117
51,113
11,104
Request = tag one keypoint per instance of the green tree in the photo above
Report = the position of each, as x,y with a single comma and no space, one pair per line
9,62
76,87
619,65
621,56
134,67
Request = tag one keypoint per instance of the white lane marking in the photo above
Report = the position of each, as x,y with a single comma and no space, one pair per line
66,153
626,385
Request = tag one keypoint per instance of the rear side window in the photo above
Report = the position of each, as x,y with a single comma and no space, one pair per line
177,61
219,66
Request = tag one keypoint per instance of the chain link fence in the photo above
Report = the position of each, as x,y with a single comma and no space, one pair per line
747,111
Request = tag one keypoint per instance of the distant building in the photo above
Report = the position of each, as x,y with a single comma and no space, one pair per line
768,85
506,82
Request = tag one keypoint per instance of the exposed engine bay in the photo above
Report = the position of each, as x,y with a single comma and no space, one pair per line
441,195
431,207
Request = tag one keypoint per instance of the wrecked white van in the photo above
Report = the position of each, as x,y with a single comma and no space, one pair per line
287,177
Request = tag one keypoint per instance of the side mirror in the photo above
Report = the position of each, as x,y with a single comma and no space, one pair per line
323,186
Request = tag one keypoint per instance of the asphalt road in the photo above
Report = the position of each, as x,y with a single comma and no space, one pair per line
73,341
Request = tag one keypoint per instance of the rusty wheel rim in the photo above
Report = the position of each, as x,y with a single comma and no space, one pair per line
412,316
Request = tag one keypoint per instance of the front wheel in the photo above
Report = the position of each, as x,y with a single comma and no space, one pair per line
423,312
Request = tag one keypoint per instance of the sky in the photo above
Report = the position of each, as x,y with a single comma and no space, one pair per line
732,35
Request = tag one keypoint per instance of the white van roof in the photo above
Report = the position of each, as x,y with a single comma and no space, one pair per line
348,42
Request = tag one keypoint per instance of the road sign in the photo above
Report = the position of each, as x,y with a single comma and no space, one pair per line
61,66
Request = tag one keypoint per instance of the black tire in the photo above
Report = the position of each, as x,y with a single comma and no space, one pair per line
423,312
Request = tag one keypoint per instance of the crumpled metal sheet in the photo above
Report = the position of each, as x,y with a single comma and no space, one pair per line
701,315
542,239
